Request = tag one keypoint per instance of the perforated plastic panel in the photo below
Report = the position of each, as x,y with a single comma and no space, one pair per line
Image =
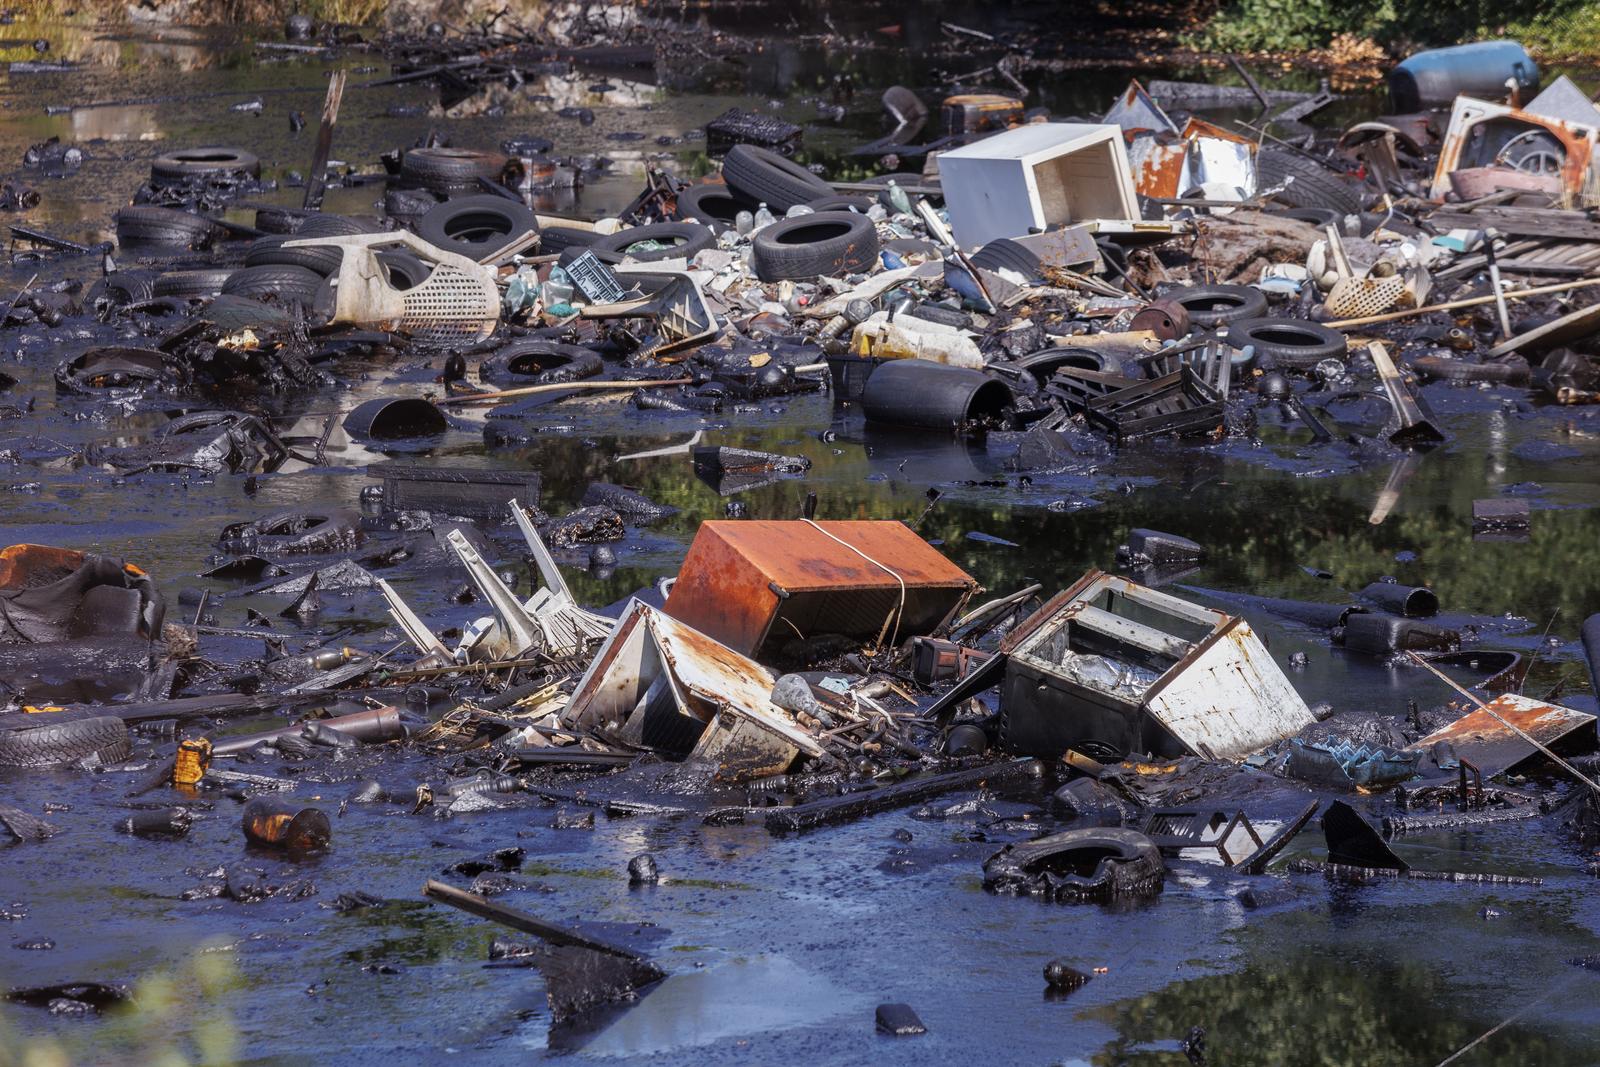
1355,297
450,304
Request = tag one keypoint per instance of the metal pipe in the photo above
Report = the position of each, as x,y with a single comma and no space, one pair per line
378,724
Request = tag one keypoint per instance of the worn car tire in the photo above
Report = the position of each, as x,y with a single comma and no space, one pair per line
121,289
269,252
191,284
450,170
289,284
475,226
686,239
554,239
1314,185
1004,253
1090,864
405,270
1219,305
539,362
758,176
325,225
184,164
279,220
712,205
143,224
825,243
67,742
1449,369
1293,343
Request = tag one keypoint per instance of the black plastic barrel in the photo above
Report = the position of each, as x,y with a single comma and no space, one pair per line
932,396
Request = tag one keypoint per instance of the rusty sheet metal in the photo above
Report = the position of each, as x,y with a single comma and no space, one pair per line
1491,747
1168,165
1158,164
1137,110
743,581
1576,140
727,695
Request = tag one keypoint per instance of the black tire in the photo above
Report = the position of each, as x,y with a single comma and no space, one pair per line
841,202
185,164
554,239
759,176
321,225
826,243
1006,253
1293,343
475,226
713,205
279,220
121,289
406,271
685,239
164,226
269,252
539,362
1218,305
288,284
450,170
67,742
191,284
406,206
1314,185
1449,369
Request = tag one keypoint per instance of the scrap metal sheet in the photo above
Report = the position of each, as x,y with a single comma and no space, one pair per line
1491,747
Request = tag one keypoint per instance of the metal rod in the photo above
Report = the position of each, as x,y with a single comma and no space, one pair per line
530,390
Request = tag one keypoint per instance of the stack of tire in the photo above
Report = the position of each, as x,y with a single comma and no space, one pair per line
147,224
440,195
291,275
831,240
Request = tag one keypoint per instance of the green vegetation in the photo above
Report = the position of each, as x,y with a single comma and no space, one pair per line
1556,27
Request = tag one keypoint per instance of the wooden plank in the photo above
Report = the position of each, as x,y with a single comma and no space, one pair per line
317,180
1522,221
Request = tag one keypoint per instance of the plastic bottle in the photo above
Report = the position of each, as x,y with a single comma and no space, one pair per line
798,210
557,289
745,223
896,198
763,217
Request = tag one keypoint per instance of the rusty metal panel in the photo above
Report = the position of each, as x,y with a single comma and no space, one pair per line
745,580
1493,748
1577,141
1158,162
724,699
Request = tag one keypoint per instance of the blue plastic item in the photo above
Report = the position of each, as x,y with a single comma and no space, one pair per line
1342,762
891,261
1435,78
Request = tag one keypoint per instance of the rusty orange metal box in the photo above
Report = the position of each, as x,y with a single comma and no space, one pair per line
746,583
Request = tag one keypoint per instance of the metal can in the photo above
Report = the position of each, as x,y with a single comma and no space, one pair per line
281,823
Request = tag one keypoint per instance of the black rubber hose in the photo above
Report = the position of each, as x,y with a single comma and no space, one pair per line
1412,601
